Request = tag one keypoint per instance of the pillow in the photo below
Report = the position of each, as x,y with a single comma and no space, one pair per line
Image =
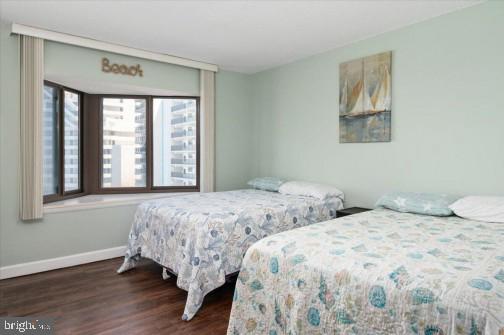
304,188
418,203
489,209
266,183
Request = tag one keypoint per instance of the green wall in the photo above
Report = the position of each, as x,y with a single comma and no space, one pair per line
447,126
235,161
447,112
65,61
67,233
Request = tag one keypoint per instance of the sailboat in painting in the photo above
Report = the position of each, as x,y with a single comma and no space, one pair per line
362,103
344,97
365,104
356,99
379,101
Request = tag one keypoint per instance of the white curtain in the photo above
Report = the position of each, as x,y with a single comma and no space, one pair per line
32,86
207,131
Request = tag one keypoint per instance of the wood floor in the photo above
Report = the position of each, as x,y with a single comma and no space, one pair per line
93,299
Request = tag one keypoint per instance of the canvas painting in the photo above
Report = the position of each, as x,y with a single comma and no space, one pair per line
365,99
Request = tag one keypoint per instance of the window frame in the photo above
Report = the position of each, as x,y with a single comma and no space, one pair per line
60,124
149,130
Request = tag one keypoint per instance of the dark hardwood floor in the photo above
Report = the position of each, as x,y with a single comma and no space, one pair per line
93,299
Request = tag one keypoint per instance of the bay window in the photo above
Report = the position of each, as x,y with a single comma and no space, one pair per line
100,144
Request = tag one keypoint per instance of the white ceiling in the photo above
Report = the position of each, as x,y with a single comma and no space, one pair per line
244,36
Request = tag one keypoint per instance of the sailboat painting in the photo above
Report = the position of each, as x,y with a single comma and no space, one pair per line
365,99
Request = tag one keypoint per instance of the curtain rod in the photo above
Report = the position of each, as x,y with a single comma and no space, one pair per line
21,29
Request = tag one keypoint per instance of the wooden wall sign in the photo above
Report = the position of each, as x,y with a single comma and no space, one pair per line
133,70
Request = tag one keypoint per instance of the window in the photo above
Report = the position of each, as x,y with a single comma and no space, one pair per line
50,141
62,143
124,160
72,141
174,142
132,144
148,144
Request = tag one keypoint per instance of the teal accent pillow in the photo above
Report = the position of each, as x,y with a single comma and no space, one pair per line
271,184
418,203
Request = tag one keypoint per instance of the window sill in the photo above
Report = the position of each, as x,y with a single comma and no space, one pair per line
94,201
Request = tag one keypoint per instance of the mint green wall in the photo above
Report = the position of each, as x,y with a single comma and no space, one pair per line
62,234
447,112
68,61
235,159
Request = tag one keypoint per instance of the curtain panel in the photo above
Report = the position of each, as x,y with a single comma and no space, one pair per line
32,87
207,129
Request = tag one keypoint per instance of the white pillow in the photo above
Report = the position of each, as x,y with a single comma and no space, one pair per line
304,188
479,208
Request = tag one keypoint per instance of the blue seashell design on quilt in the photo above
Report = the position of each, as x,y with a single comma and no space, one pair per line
377,296
421,296
274,265
500,276
480,284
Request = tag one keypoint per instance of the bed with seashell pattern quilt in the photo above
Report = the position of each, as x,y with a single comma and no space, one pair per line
203,237
378,272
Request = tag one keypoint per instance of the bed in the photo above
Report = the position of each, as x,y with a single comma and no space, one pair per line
378,272
202,237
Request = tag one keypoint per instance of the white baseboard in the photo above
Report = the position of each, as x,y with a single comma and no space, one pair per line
60,262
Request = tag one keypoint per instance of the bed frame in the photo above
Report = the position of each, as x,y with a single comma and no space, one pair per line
168,273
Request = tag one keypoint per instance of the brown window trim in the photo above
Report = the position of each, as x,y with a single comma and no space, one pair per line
62,194
149,188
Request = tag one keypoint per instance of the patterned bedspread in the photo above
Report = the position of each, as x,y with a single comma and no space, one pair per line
379,272
203,237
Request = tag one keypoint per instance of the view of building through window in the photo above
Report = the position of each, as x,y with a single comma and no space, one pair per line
124,142
174,142
50,140
71,141
132,155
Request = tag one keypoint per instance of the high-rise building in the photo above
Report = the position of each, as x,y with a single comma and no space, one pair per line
174,135
50,140
124,139
71,141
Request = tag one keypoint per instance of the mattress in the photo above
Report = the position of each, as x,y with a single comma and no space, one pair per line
378,272
203,237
